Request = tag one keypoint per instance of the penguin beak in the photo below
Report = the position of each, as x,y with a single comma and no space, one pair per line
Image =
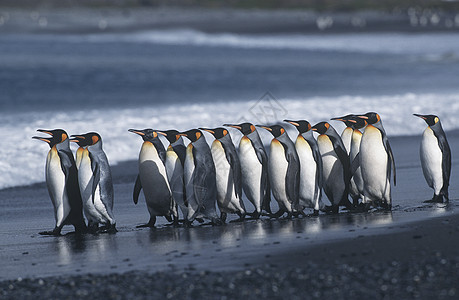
77,138
292,122
338,119
208,130
362,117
47,140
352,121
45,131
183,134
161,133
265,127
139,132
233,126
420,116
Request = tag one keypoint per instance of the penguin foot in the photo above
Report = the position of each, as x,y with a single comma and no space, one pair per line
109,228
54,232
277,215
49,233
216,222
315,213
435,199
254,215
200,220
240,219
187,224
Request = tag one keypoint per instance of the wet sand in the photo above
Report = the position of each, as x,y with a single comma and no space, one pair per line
363,250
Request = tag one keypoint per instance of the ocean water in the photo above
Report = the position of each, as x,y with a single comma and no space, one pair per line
183,79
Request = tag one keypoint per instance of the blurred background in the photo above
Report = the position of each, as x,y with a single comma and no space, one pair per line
108,66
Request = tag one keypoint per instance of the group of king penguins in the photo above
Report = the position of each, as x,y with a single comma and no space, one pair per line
196,178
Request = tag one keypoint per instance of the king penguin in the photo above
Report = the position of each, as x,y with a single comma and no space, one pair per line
346,135
351,137
153,179
254,168
95,181
200,179
175,160
310,166
284,171
62,183
435,157
336,166
376,162
228,174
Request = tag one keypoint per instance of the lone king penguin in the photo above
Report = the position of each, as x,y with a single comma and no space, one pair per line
435,158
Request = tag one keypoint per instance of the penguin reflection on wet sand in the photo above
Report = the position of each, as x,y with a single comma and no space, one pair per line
175,160
153,179
351,137
62,183
95,182
254,168
228,172
376,162
336,166
310,166
435,157
200,179
284,171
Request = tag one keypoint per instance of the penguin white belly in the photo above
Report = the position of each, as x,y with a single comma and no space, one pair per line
278,166
332,170
431,160
193,205
373,163
346,137
356,187
85,181
308,169
251,170
174,170
226,198
154,181
55,180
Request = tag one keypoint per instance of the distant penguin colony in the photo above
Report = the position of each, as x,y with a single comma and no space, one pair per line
196,179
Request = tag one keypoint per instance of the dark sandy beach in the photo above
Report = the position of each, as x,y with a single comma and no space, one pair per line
410,252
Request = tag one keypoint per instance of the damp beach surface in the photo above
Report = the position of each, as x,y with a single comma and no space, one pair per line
408,252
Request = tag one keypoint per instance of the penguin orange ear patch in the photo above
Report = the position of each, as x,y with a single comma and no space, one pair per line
327,125
155,134
198,135
95,139
64,137
436,120
282,130
252,128
225,132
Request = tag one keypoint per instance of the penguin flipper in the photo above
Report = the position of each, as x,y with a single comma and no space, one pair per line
95,174
355,164
341,152
137,189
233,160
445,162
292,178
391,160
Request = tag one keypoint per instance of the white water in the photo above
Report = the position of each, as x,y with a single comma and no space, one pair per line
22,159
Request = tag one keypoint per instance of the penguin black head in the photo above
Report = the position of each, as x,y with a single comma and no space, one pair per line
321,127
193,134
347,120
88,139
276,130
146,134
430,119
171,135
245,128
357,122
302,125
218,133
57,136
371,117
